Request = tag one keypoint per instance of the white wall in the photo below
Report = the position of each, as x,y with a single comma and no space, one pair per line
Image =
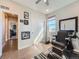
0,34
35,21
67,12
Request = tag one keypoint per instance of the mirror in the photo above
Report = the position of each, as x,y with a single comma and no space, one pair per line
69,24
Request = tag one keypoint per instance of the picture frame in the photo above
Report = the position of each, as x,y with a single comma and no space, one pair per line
26,15
72,21
25,35
21,20
26,22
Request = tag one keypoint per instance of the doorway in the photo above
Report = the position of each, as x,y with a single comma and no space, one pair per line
10,32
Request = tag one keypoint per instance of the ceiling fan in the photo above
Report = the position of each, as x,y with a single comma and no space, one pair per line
45,1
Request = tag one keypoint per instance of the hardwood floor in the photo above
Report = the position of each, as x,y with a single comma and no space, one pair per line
27,53
9,48
10,45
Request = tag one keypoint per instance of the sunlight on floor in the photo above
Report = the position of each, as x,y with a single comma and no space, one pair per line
27,53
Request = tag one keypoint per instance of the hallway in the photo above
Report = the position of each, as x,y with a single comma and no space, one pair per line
11,45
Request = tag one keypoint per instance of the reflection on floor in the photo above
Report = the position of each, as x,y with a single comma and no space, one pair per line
11,45
27,53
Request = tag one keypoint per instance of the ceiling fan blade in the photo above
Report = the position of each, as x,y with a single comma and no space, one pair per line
38,1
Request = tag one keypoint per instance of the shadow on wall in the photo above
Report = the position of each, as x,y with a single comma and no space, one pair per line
39,37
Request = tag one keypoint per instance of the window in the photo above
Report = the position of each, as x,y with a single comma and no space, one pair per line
52,24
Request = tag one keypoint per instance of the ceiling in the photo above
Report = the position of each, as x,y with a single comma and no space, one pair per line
43,8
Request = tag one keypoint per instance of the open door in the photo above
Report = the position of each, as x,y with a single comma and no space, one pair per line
11,32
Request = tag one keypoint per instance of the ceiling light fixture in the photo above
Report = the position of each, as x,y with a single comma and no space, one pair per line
45,1
47,10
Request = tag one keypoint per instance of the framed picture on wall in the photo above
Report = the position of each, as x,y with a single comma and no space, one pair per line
26,22
21,20
25,35
26,15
